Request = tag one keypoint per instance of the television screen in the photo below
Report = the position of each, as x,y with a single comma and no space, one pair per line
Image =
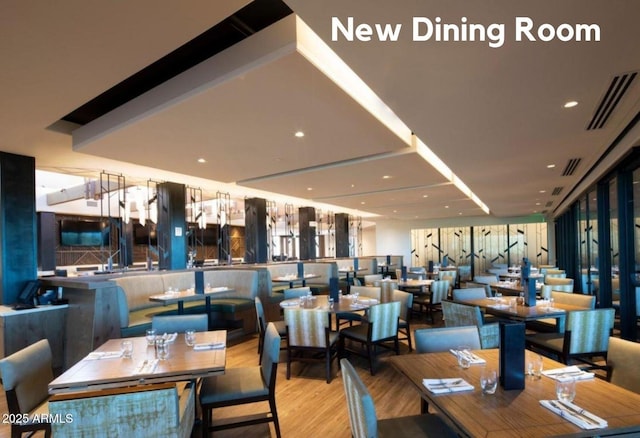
83,233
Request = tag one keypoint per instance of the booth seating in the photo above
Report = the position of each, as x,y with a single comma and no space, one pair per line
318,285
159,410
234,309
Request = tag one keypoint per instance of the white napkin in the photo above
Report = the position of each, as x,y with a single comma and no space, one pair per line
440,386
367,301
575,414
473,359
97,355
289,304
566,373
147,367
357,306
169,338
499,306
209,346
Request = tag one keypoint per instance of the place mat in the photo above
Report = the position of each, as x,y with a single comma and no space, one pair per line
209,346
473,358
147,367
97,355
566,373
441,386
575,414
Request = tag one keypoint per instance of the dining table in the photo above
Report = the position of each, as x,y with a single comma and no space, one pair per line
345,304
106,367
350,273
510,288
293,279
515,412
508,308
181,296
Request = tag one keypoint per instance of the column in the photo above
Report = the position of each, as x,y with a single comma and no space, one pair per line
255,231
342,235
172,239
307,216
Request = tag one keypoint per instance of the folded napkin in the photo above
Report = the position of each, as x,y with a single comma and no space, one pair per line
209,346
367,301
440,386
289,304
498,306
169,338
357,306
147,367
473,359
576,415
566,373
97,355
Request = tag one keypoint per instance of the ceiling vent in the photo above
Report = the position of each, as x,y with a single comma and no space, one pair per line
556,191
571,166
616,90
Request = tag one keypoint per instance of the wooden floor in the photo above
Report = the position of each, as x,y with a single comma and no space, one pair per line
307,405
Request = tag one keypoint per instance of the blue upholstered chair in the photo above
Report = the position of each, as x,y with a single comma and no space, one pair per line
379,329
262,326
432,302
310,339
459,315
296,292
431,340
25,378
365,424
243,386
180,323
404,326
343,318
472,293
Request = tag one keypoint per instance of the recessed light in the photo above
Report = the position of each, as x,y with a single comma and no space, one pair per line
543,191
299,134
386,177
201,160
425,196
537,203
353,185
309,188
395,211
446,206
550,166
362,202
570,104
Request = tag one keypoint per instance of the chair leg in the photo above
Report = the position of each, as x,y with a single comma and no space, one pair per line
328,364
274,413
424,406
370,354
409,337
288,363
206,421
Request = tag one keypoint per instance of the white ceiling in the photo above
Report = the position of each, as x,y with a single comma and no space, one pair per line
494,115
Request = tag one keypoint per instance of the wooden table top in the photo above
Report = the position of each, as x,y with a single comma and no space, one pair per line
515,412
415,283
292,278
184,363
188,295
520,312
321,302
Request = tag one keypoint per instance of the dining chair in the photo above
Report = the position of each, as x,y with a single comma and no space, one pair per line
622,364
386,289
545,291
344,318
180,323
25,378
432,302
485,279
559,297
451,276
586,335
296,292
406,304
559,281
432,340
379,329
554,273
262,326
473,293
310,339
244,385
458,315
364,421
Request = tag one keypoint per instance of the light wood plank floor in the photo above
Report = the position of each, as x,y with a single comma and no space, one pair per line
307,405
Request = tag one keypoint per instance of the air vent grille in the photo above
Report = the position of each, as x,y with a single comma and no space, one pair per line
571,166
556,191
616,90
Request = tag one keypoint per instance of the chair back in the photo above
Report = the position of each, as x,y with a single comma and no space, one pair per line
180,323
386,289
270,356
458,315
362,411
406,303
307,327
439,291
485,279
25,377
296,292
260,315
448,275
554,273
589,330
384,320
473,293
623,358
578,300
559,282
370,278
432,340
367,291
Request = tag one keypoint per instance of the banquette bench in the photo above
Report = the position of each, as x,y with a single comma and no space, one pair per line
234,309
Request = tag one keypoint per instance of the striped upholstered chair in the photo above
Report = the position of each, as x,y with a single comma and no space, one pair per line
363,419
586,335
309,333
458,315
406,304
380,329
433,302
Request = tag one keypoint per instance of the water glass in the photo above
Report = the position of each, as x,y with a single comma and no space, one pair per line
534,366
488,380
330,303
464,356
162,349
127,349
190,337
151,336
566,389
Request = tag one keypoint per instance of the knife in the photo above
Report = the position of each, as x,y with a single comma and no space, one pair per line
574,412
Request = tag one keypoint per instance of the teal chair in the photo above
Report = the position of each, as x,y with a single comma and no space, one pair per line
431,340
378,330
296,292
404,325
432,302
459,315
364,421
244,385
25,378
310,339
262,326
180,323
